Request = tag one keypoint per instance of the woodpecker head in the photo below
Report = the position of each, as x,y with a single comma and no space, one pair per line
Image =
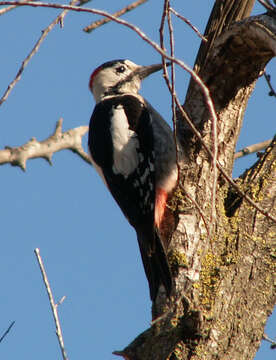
119,77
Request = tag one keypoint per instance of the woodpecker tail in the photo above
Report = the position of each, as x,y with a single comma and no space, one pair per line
155,262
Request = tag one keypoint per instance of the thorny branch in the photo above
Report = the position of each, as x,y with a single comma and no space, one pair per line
54,306
121,12
70,139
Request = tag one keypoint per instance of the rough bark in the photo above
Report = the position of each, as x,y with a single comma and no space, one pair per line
223,14
225,281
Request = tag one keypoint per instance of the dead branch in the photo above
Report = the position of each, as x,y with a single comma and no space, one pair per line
70,139
119,13
7,331
203,38
7,9
252,148
271,341
268,80
267,4
54,306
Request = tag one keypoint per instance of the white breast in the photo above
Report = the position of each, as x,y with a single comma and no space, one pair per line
125,143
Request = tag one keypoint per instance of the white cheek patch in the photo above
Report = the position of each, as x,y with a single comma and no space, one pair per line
125,143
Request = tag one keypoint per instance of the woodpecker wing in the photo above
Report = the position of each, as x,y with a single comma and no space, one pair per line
121,143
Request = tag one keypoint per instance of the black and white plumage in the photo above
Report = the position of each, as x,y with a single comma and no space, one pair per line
133,150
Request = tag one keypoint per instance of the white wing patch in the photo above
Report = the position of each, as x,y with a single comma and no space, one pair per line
125,143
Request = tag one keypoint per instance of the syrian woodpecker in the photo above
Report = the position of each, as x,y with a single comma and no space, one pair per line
133,150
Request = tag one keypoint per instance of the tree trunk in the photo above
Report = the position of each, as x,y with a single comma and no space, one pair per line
225,270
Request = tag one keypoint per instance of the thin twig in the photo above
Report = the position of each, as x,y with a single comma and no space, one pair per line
139,32
203,38
170,26
198,135
52,303
252,148
25,62
9,8
268,80
169,85
267,4
7,331
119,13
271,341
6,9
61,300
171,88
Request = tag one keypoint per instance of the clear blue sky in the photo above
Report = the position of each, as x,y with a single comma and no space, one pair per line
89,250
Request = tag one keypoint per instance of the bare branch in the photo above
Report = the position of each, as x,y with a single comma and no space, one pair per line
272,342
119,13
8,8
61,300
252,148
203,38
143,36
7,331
268,80
175,100
171,86
70,139
45,32
267,4
170,26
52,303
140,33
198,135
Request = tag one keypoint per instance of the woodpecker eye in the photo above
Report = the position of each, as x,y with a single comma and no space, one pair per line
120,69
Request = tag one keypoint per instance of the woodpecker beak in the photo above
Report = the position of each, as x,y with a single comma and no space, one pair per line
145,71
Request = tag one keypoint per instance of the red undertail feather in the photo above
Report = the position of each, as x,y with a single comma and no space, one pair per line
160,206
